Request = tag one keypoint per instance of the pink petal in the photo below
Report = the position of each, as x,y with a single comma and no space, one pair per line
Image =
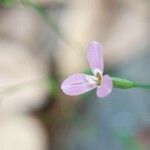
76,84
106,86
95,57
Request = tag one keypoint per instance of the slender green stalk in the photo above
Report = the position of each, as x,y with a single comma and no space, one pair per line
41,11
52,23
122,83
145,86
127,84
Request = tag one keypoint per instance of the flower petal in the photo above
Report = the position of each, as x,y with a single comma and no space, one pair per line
76,84
95,57
106,86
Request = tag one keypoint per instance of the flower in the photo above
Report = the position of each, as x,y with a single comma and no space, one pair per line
80,83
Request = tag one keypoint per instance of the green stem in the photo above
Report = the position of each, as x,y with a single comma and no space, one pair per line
41,11
145,86
127,84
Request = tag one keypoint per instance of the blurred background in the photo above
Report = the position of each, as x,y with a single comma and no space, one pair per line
44,41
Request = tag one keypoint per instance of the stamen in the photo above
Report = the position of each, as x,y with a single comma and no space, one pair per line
99,76
97,71
98,82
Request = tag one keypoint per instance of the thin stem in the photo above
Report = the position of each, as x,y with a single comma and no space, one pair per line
52,23
145,86
127,84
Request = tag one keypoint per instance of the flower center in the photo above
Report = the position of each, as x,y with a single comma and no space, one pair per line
96,79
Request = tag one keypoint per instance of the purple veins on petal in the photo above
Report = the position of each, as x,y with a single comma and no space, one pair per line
95,56
106,86
76,84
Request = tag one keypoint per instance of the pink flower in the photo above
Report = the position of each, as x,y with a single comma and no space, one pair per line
80,83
